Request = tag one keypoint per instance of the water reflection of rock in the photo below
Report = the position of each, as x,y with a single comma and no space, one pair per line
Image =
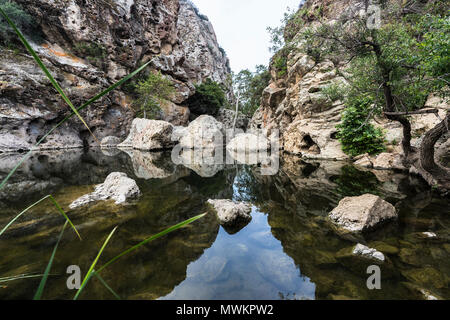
155,165
205,162
298,200
46,172
153,271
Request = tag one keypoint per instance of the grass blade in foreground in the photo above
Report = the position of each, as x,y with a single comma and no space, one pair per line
44,68
36,203
156,236
20,276
106,285
86,104
41,287
91,269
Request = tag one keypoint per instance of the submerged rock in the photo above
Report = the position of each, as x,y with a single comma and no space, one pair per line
427,277
117,186
362,213
362,252
359,257
366,252
233,216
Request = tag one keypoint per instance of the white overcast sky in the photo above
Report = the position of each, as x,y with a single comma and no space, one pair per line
240,26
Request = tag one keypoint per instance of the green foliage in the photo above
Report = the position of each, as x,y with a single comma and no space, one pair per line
20,18
409,54
334,91
284,35
279,62
435,50
152,92
352,182
249,86
93,52
208,98
356,135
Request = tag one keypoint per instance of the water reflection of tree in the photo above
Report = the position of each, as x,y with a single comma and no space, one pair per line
353,182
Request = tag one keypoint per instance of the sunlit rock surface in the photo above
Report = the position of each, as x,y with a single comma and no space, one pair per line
205,132
117,187
362,213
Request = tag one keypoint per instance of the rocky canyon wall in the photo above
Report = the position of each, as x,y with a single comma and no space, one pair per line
295,103
90,44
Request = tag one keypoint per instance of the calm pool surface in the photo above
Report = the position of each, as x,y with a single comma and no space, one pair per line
288,250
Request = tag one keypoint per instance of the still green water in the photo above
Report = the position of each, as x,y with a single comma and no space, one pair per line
287,251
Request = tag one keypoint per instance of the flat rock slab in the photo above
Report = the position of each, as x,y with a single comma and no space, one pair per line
117,186
356,214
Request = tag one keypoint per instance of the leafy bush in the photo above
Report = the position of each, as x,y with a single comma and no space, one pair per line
334,92
20,18
93,52
279,62
151,93
208,98
355,133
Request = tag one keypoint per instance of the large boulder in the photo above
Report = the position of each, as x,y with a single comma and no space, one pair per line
362,213
248,142
149,135
117,187
233,216
203,132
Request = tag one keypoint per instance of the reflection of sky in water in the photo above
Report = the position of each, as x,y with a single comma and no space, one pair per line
248,265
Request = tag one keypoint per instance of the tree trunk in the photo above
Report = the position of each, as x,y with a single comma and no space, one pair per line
427,148
389,108
236,114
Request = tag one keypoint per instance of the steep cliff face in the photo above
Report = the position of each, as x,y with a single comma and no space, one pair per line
295,103
90,44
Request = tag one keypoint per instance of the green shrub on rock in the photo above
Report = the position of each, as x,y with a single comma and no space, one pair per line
20,18
208,98
355,133
151,93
